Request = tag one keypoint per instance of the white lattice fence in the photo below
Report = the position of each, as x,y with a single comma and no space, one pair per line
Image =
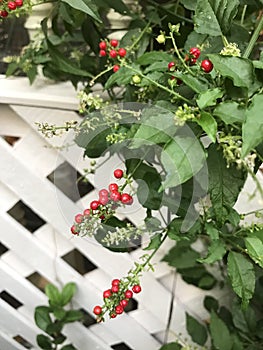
46,251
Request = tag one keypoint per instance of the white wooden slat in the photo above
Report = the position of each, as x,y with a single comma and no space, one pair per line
8,198
11,321
7,343
10,123
20,288
42,93
20,265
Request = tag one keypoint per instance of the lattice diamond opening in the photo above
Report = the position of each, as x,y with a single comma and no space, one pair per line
22,341
70,182
38,280
121,346
79,262
26,216
3,249
88,319
10,299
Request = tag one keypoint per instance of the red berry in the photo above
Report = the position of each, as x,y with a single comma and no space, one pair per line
86,212
136,288
19,3
11,5
107,293
116,67
115,196
113,53
126,199
128,294
74,230
3,13
113,187
94,205
79,218
103,192
115,289
194,51
114,43
97,310
171,66
122,52
103,200
124,302
103,45
119,309
193,61
115,282
102,53
207,66
113,315
118,173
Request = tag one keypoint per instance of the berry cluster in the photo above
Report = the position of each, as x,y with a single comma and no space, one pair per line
112,49
116,298
102,208
8,6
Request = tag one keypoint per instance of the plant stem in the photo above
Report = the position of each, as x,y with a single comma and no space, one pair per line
179,55
159,85
140,36
254,38
243,15
155,251
91,83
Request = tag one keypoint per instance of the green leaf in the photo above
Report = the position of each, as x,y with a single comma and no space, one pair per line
152,57
242,276
214,17
86,6
32,73
156,66
67,293
69,347
118,6
196,330
44,342
122,77
155,242
216,251
59,339
55,327
244,320
239,70
149,182
182,256
73,315
230,112
220,334
255,249
189,4
53,295
208,124
212,231
225,183
211,303
171,346
59,313
208,98
42,317
196,84
252,130
63,63
182,158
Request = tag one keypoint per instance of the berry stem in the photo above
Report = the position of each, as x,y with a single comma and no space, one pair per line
171,92
179,55
139,37
254,38
91,83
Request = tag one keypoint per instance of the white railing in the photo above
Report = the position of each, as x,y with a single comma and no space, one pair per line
24,168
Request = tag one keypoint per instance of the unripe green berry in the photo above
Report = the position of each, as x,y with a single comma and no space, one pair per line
161,39
136,79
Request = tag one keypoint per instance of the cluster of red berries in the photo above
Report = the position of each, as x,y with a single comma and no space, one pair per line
116,299
108,200
194,54
111,48
8,6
